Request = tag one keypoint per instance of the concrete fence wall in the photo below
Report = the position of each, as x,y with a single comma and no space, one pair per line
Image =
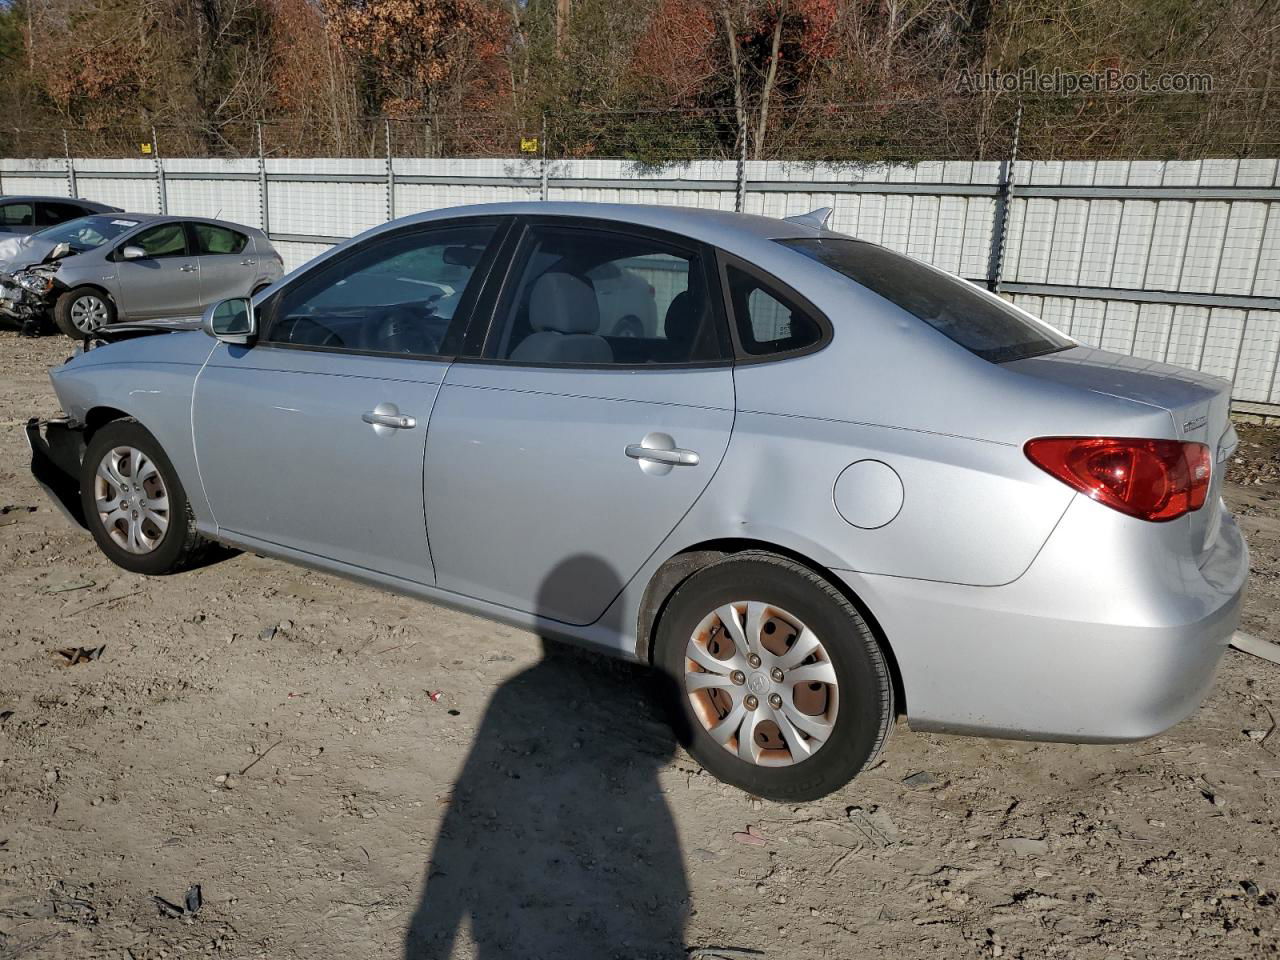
1172,261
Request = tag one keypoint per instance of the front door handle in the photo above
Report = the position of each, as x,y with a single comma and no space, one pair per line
386,417
188,268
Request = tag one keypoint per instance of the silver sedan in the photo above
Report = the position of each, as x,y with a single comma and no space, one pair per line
93,271
830,486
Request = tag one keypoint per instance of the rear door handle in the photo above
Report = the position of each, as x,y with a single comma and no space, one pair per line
396,421
188,268
659,448
248,263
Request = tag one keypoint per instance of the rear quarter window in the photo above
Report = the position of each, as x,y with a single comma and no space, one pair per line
769,321
982,325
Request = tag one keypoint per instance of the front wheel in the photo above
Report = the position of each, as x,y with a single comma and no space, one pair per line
781,688
83,311
133,503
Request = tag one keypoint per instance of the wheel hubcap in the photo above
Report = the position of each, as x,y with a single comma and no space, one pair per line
88,313
131,499
761,683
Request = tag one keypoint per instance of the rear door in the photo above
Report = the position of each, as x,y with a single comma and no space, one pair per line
228,265
165,281
313,438
559,457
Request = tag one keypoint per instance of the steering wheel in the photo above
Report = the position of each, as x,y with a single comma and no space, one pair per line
402,329
305,330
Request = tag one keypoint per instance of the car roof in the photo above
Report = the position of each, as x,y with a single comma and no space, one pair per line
148,218
717,227
29,198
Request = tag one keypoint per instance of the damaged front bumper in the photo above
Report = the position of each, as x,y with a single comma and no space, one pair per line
57,448
17,303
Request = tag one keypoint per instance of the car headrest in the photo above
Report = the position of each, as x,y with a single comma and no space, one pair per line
682,320
563,303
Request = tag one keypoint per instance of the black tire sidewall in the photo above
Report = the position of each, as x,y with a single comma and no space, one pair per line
866,699
62,310
175,546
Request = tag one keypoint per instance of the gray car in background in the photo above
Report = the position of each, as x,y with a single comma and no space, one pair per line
826,484
22,215
96,270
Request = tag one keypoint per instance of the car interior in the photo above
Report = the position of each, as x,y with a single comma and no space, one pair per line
555,312
386,307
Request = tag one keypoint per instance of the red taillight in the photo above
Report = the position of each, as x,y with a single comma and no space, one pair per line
1148,479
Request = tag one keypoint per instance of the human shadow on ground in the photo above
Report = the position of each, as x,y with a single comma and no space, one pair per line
558,842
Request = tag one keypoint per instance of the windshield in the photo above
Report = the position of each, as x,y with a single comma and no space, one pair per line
980,324
86,233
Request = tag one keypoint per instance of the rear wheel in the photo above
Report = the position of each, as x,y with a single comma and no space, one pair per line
134,504
780,685
83,311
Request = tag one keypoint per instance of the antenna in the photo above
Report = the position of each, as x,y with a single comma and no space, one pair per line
814,218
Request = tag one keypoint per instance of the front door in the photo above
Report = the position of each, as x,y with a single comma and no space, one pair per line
561,457
313,439
165,281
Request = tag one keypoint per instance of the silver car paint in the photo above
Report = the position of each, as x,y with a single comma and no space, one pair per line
361,500
528,465
1011,605
163,287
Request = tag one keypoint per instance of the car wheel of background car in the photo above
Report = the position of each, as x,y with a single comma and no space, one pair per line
629,326
82,311
133,503
781,688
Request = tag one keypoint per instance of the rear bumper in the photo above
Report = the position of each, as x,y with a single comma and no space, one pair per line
1079,649
57,447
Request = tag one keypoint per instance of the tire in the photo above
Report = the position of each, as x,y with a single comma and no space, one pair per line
177,545
629,326
82,310
859,705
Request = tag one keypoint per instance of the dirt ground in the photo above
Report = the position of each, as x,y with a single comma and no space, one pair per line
349,774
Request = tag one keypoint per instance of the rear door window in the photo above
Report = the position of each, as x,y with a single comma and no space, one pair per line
588,296
982,325
213,240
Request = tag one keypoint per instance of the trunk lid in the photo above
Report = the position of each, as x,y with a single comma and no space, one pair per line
1200,407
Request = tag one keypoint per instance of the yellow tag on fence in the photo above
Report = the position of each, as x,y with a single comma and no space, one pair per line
145,147
528,144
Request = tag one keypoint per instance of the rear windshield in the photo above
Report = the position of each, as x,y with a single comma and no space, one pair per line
952,307
86,233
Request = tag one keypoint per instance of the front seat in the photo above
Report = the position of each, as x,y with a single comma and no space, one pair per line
564,316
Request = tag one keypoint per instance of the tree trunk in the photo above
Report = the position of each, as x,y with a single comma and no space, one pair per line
770,78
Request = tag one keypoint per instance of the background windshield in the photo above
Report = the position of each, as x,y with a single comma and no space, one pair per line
978,323
88,232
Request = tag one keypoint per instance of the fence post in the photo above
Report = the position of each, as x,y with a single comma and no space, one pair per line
1004,199
391,173
740,197
71,167
264,202
160,184
545,191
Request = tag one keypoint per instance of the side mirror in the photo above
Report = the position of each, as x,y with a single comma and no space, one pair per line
133,253
60,251
232,321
